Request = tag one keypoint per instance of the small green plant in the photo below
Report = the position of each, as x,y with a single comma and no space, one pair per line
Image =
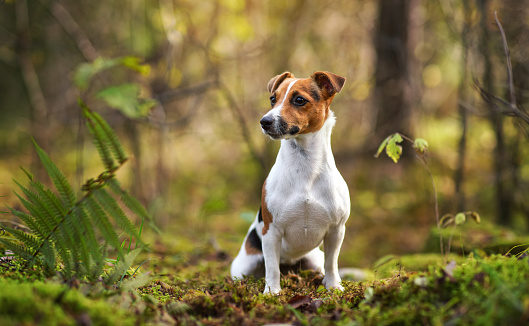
65,231
456,220
394,151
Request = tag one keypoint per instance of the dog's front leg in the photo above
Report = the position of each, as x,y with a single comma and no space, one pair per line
332,244
271,251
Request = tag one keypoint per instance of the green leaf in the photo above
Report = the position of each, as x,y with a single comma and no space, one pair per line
420,145
460,218
474,216
86,71
133,63
383,145
446,220
393,149
125,98
122,266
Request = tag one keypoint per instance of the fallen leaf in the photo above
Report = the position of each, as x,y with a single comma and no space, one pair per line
299,300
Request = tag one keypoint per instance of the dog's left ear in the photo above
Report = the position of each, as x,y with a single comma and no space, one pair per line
328,82
274,83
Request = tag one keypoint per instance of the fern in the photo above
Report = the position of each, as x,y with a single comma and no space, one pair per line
66,231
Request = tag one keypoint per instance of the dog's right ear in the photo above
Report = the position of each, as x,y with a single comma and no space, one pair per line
274,83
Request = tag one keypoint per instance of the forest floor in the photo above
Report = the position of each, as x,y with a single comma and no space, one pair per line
195,289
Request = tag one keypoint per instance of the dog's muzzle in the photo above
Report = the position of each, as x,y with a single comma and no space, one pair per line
277,128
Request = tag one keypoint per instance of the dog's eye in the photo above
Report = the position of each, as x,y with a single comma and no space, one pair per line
300,101
273,100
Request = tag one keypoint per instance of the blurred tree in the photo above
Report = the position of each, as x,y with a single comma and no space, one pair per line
38,106
392,90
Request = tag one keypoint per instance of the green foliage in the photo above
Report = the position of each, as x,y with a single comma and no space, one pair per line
458,219
86,71
123,97
394,150
65,230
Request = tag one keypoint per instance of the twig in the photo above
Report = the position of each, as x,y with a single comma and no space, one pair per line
425,164
184,92
242,122
508,59
73,29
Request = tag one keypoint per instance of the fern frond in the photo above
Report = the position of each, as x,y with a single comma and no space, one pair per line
100,139
101,221
59,208
131,202
17,249
41,217
112,208
59,180
30,222
50,260
30,242
74,231
88,234
115,145
122,267
45,218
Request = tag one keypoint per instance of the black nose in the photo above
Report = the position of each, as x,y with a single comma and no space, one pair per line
266,122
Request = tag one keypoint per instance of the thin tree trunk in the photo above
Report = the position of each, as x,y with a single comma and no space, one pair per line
391,77
39,111
503,193
459,177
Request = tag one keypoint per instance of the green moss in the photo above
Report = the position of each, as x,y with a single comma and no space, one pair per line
54,304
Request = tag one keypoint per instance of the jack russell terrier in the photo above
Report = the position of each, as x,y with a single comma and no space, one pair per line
305,200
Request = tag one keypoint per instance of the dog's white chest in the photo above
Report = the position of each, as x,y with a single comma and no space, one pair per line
305,202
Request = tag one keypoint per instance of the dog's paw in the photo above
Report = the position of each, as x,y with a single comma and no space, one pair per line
272,289
334,284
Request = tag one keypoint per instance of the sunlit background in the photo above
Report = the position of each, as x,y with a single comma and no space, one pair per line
198,157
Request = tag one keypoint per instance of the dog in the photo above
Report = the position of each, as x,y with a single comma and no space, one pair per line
305,200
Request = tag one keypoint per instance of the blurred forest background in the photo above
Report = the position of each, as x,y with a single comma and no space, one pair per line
430,69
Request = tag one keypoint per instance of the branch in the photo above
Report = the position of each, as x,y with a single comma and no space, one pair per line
496,103
184,92
242,122
73,29
508,59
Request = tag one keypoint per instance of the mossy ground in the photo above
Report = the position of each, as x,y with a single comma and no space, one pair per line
196,289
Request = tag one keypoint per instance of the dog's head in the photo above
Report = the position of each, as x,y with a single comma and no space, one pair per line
299,106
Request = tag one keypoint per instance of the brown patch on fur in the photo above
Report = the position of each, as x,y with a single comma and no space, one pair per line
311,116
267,216
252,250
253,244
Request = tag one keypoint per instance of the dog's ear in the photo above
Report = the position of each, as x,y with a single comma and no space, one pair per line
328,82
274,83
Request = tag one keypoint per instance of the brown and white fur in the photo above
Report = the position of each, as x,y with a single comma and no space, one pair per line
305,201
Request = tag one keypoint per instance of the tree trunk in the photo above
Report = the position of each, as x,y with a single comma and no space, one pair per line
459,177
503,192
391,76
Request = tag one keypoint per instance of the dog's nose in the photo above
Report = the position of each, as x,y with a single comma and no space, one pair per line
266,122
